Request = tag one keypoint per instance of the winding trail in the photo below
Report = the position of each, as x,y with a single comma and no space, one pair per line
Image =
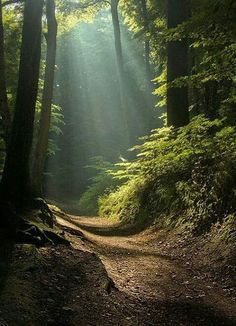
163,290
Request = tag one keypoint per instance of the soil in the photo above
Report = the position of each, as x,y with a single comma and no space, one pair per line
110,276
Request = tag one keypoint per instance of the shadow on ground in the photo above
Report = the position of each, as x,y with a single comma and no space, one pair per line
6,252
119,230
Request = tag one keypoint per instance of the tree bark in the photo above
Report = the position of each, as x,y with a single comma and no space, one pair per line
144,12
44,125
177,66
117,36
15,185
4,107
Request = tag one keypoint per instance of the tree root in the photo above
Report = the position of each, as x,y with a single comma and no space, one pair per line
46,214
30,233
21,231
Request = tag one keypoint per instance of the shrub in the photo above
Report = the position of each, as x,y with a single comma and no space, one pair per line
101,182
189,172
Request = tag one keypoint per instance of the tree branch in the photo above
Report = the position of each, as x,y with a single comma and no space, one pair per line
11,2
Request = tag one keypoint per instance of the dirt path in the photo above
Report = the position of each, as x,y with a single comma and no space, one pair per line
154,289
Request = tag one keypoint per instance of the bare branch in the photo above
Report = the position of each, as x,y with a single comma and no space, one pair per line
11,2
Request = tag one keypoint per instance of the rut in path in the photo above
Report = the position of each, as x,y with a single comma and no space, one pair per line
159,283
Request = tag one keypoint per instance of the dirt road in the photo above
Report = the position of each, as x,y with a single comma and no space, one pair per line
154,289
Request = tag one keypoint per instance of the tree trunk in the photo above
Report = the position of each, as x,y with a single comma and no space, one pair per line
4,108
15,185
44,126
177,66
210,99
121,71
147,41
117,36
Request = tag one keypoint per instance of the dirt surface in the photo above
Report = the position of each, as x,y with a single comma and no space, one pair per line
154,288
109,276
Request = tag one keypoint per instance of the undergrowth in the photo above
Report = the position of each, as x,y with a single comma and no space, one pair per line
188,174
101,182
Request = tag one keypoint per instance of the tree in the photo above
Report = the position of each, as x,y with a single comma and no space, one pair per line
124,84
117,36
147,50
4,107
15,185
44,125
177,66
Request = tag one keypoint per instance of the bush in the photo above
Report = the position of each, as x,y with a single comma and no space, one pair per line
189,173
100,183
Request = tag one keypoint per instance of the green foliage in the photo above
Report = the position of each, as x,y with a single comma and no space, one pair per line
124,203
69,13
152,29
12,21
57,121
101,182
189,172
210,32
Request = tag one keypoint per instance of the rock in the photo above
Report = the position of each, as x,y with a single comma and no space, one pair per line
67,310
110,285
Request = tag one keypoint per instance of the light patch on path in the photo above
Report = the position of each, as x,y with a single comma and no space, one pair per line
140,270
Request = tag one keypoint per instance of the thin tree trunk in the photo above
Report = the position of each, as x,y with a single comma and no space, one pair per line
121,72
177,66
143,4
44,126
4,107
15,185
211,99
149,75
117,36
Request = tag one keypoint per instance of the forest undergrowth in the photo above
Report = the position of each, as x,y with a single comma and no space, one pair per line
180,179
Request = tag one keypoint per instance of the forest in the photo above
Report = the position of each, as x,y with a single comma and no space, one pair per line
117,162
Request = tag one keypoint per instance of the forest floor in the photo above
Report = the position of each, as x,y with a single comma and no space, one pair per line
110,276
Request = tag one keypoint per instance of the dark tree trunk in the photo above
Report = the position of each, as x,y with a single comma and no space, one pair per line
149,73
44,126
4,108
211,99
15,185
147,50
177,66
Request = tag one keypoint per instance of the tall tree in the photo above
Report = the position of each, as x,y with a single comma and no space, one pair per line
4,107
15,183
147,50
121,71
177,65
44,126
117,36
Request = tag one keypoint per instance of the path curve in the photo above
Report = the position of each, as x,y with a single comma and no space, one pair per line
140,270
